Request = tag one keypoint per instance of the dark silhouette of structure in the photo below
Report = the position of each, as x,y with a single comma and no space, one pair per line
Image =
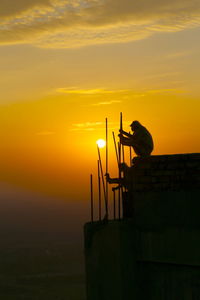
153,251
141,139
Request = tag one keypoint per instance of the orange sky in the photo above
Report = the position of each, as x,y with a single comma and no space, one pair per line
66,65
49,144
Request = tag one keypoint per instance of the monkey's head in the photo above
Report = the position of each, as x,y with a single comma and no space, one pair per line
135,125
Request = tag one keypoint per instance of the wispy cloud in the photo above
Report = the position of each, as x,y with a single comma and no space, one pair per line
109,96
87,126
106,102
87,91
76,23
165,91
178,54
91,126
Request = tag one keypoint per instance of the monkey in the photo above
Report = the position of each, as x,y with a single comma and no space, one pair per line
124,180
141,139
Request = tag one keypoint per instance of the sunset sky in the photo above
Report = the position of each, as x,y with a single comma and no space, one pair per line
66,65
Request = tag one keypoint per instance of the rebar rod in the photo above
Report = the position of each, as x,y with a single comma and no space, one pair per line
121,128
123,158
91,198
102,179
120,174
99,189
116,151
119,191
107,164
130,153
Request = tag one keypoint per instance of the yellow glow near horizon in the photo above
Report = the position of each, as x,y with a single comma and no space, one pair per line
50,120
101,143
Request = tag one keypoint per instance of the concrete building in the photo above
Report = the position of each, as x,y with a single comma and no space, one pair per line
153,252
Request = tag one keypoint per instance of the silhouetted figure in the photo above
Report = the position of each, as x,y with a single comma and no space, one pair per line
124,180
141,139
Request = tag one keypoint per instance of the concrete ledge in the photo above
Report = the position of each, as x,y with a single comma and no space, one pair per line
110,260
165,172
122,259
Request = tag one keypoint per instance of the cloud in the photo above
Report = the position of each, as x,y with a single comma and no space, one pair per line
124,94
107,102
91,126
76,23
165,91
87,126
10,8
105,97
179,54
97,91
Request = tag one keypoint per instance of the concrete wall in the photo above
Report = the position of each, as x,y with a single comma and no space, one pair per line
110,260
155,254
167,208
125,262
168,282
165,172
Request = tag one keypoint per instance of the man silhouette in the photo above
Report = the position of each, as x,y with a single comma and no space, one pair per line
141,139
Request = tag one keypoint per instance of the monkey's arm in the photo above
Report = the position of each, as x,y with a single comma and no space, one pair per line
126,141
112,180
122,132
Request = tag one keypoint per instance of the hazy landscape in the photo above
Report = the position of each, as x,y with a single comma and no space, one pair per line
39,259
41,267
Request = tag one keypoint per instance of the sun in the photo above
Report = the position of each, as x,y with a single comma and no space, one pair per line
101,143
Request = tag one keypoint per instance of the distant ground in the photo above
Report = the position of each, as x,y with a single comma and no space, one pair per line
41,246
40,267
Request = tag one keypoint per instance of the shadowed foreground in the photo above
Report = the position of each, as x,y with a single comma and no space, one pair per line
41,268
